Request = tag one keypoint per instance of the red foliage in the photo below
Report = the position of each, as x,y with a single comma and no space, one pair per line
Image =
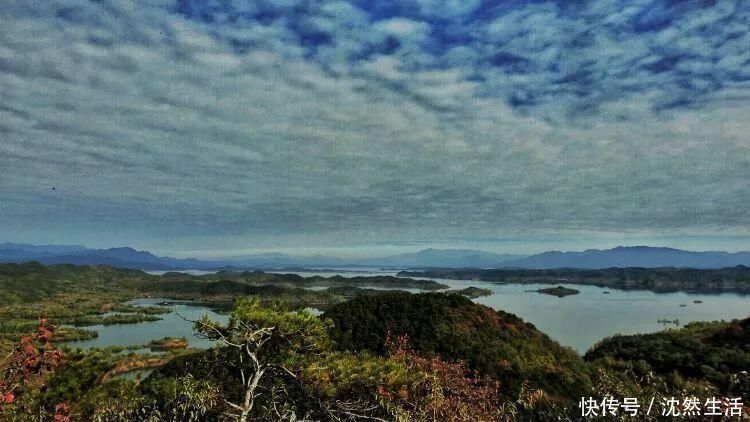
454,393
61,413
32,358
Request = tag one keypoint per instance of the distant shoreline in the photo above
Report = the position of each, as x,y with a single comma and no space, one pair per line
658,280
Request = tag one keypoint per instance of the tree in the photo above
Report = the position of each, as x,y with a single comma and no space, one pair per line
183,399
497,344
264,340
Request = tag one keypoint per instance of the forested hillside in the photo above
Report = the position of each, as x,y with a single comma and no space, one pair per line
372,355
494,343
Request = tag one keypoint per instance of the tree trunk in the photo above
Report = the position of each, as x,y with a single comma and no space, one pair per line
247,406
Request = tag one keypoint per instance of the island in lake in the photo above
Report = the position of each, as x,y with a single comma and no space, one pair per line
473,292
375,344
559,291
659,280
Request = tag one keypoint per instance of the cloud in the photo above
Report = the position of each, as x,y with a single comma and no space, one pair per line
332,122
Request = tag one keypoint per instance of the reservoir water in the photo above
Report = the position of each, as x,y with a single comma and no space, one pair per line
578,321
171,325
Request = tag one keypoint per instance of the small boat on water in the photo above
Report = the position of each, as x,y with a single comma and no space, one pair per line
697,301
682,305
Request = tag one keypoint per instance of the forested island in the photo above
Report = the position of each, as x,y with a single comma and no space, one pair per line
559,291
661,280
372,355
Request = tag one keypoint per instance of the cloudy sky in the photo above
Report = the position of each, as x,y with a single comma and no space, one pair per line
218,127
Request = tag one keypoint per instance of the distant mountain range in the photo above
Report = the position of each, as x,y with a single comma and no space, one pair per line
632,256
131,258
635,256
79,255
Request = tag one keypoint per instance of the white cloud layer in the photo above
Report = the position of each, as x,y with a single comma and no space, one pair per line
301,124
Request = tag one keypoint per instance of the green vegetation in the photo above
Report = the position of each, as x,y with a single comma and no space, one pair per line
495,343
65,334
373,355
473,292
259,278
716,352
736,279
145,310
168,343
88,320
559,291
71,295
277,363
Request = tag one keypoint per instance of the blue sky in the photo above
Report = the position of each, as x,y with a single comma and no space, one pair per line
210,127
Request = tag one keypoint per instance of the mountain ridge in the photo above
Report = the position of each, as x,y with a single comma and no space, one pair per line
620,256
632,256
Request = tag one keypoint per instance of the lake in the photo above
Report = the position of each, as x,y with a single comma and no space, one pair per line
171,325
577,321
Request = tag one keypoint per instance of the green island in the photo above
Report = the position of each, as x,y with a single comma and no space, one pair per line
660,280
473,292
372,354
87,320
559,291
168,343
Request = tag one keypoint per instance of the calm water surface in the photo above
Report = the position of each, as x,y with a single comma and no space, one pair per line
577,321
171,325
581,320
